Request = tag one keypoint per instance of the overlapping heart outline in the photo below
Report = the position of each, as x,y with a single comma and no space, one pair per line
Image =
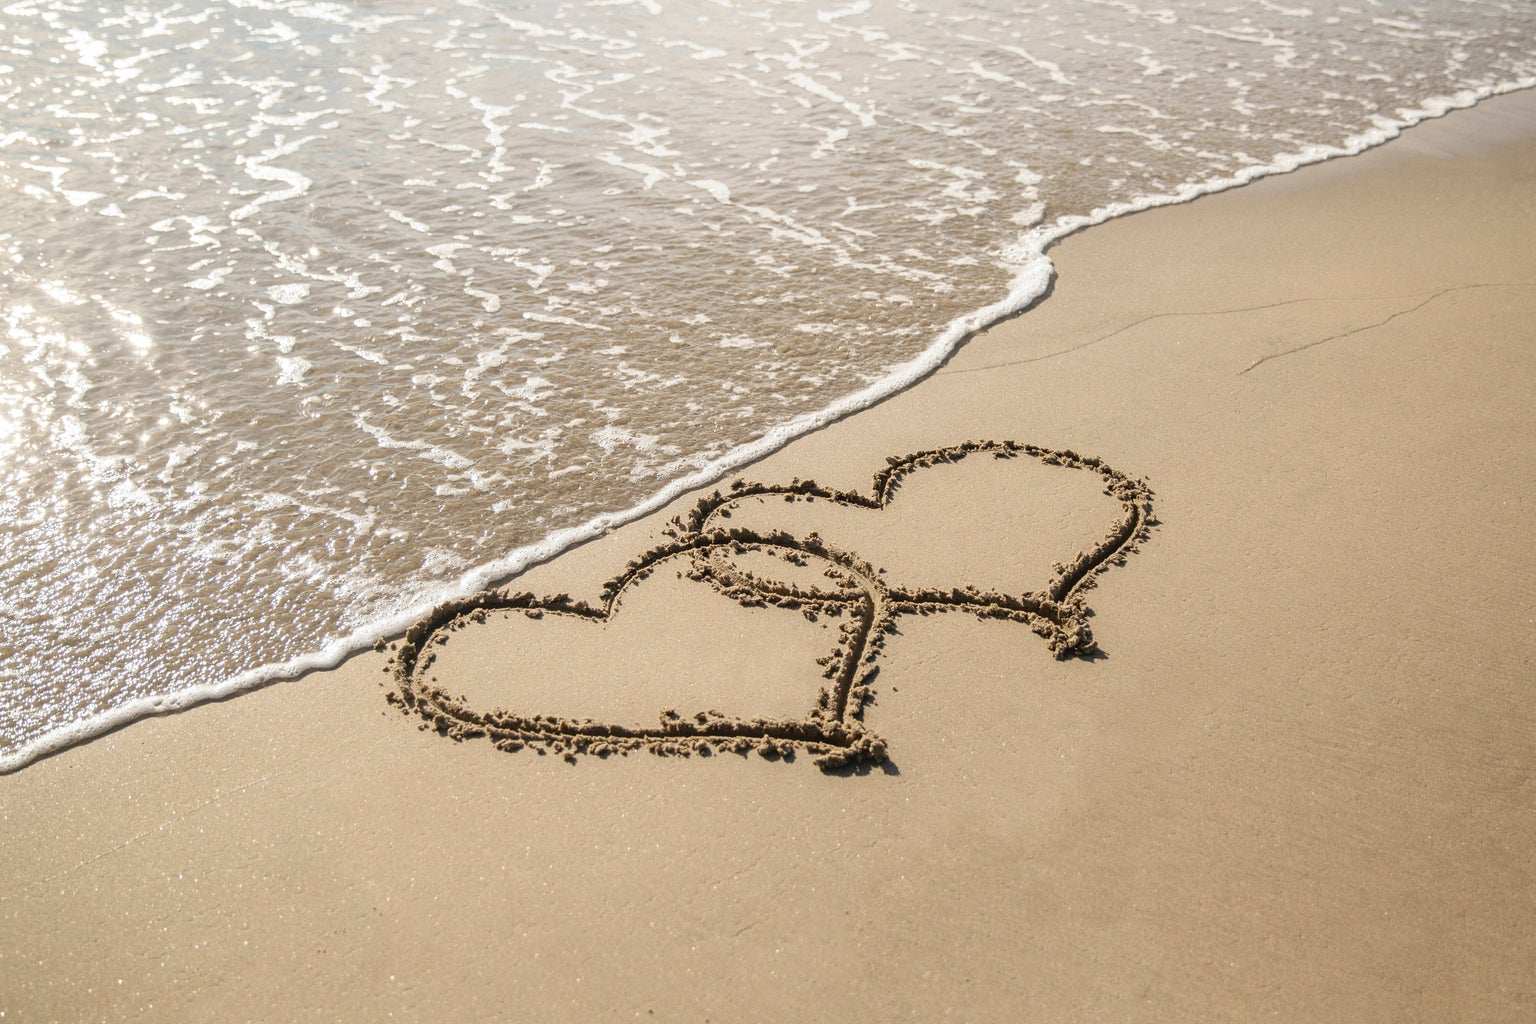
833,731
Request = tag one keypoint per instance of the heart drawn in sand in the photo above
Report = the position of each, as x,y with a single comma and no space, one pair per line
831,729
714,553
1057,610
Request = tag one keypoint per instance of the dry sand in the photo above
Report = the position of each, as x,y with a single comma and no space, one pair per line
1299,782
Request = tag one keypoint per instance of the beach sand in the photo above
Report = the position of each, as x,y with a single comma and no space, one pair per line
1298,781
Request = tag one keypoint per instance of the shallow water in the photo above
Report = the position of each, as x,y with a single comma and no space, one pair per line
314,313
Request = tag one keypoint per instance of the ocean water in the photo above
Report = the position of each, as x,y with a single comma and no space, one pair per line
313,314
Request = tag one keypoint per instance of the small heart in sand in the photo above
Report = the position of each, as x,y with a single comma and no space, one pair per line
586,668
972,527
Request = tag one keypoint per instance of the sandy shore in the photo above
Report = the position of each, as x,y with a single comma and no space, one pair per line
1296,781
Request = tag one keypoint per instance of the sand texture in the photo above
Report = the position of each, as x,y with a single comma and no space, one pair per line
703,546
1240,728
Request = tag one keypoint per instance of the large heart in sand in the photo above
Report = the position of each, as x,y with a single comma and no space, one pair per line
830,727
810,577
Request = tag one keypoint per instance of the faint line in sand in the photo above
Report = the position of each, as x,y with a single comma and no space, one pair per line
1384,321
1150,318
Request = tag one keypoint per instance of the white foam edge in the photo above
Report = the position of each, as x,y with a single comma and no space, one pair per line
1033,274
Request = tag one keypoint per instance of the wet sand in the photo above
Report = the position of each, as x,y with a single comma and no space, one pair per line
1291,776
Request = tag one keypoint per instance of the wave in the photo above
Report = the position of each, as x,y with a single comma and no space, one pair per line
1032,274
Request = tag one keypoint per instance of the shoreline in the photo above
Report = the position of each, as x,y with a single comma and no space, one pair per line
1292,783
1034,277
